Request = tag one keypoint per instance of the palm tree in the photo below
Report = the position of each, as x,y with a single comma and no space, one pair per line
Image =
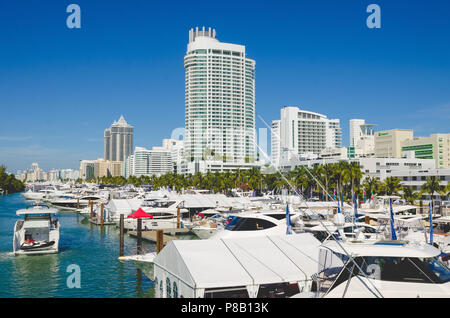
392,185
372,185
409,195
431,186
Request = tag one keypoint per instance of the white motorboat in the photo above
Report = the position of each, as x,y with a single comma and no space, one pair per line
72,203
38,232
248,224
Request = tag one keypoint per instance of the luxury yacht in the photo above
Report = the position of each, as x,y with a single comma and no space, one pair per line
73,203
258,224
38,232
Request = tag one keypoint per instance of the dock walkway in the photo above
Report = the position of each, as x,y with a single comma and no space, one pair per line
151,235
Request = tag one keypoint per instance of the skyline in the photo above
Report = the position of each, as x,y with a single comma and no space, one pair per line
62,88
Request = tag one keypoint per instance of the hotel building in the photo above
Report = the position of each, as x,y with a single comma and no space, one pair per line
219,101
303,132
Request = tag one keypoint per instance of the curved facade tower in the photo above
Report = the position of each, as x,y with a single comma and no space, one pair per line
219,99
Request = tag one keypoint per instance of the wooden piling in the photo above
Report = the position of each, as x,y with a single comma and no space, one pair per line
367,219
101,214
78,203
121,226
159,241
139,236
178,218
91,203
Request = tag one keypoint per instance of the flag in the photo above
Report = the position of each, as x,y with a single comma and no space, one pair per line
393,235
323,195
311,192
288,221
431,224
355,205
339,208
334,194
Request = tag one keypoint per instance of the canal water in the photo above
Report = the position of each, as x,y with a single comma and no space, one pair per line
95,251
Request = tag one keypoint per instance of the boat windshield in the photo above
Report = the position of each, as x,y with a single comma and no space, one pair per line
400,269
248,224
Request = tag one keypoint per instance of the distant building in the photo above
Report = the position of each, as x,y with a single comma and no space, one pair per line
157,161
100,168
388,143
302,132
436,146
362,139
371,167
118,141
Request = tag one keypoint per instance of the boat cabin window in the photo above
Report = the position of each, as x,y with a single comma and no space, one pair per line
248,224
278,216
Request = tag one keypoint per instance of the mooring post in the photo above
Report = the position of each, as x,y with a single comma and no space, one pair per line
101,214
91,203
78,203
367,219
159,241
139,236
178,218
121,234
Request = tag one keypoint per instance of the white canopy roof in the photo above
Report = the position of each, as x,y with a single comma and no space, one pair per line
241,262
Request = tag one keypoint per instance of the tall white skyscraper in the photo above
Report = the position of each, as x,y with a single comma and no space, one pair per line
118,141
219,100
303,132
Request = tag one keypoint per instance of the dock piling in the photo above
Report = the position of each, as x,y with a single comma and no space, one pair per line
121,225
139,236
159,241
101,214
91,203
178,218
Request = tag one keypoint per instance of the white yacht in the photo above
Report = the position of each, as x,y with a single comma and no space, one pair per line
163,215
257,224
73,203
381,269
38,232
380,205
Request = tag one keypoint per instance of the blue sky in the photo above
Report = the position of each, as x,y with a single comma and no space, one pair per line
60,88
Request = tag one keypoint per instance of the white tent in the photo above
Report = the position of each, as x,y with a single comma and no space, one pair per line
191,268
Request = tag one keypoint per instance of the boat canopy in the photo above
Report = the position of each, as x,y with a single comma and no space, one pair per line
37,210
140,214
241,261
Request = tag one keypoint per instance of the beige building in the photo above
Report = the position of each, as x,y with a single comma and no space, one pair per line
388,143
100,168
436,146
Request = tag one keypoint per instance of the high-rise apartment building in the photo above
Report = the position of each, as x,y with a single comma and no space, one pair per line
303,132
118,141
219,100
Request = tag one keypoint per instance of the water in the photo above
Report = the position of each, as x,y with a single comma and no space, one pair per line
81,243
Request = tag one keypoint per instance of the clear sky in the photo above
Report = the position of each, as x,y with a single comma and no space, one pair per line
60,87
